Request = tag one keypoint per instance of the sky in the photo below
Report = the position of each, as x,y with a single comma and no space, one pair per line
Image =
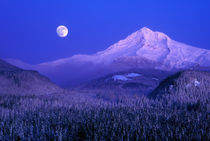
28,27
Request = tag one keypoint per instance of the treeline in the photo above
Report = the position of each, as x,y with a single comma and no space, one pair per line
90,117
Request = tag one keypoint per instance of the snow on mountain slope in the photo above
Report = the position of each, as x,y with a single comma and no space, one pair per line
136,81
142,49
120,77
153,46
144,43
157,47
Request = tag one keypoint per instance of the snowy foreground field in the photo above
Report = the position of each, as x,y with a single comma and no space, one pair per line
100,116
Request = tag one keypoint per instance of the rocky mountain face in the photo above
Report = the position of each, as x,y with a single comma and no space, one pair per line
143,49
14,80
185,86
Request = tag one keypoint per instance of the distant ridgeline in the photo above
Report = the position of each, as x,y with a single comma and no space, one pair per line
14,80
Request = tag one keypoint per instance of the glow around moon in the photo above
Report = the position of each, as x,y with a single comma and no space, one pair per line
62,31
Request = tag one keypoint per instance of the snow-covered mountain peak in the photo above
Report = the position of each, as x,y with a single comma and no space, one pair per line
138,39
142,49
147,35
156,47
144,42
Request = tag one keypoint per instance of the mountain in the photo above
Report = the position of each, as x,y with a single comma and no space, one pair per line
185,86
143,49
14,80
137,81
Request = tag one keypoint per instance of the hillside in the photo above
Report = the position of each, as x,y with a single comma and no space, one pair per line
185,86
14,80
137,81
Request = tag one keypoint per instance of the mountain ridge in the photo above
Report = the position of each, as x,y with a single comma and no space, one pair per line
14,80
142,49
141,43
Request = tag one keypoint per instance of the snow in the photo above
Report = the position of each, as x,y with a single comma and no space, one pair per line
125,77
196,83
155,78
157,47
120,77
144,43
135,51
133,75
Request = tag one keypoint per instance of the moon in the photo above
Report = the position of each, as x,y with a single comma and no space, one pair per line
62,31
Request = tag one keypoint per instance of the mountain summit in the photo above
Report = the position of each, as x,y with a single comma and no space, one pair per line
142,49
159,48
149,45
144,43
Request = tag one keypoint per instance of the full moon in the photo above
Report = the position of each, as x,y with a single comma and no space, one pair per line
62,31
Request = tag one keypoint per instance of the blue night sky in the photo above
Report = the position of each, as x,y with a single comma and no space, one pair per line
28,27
